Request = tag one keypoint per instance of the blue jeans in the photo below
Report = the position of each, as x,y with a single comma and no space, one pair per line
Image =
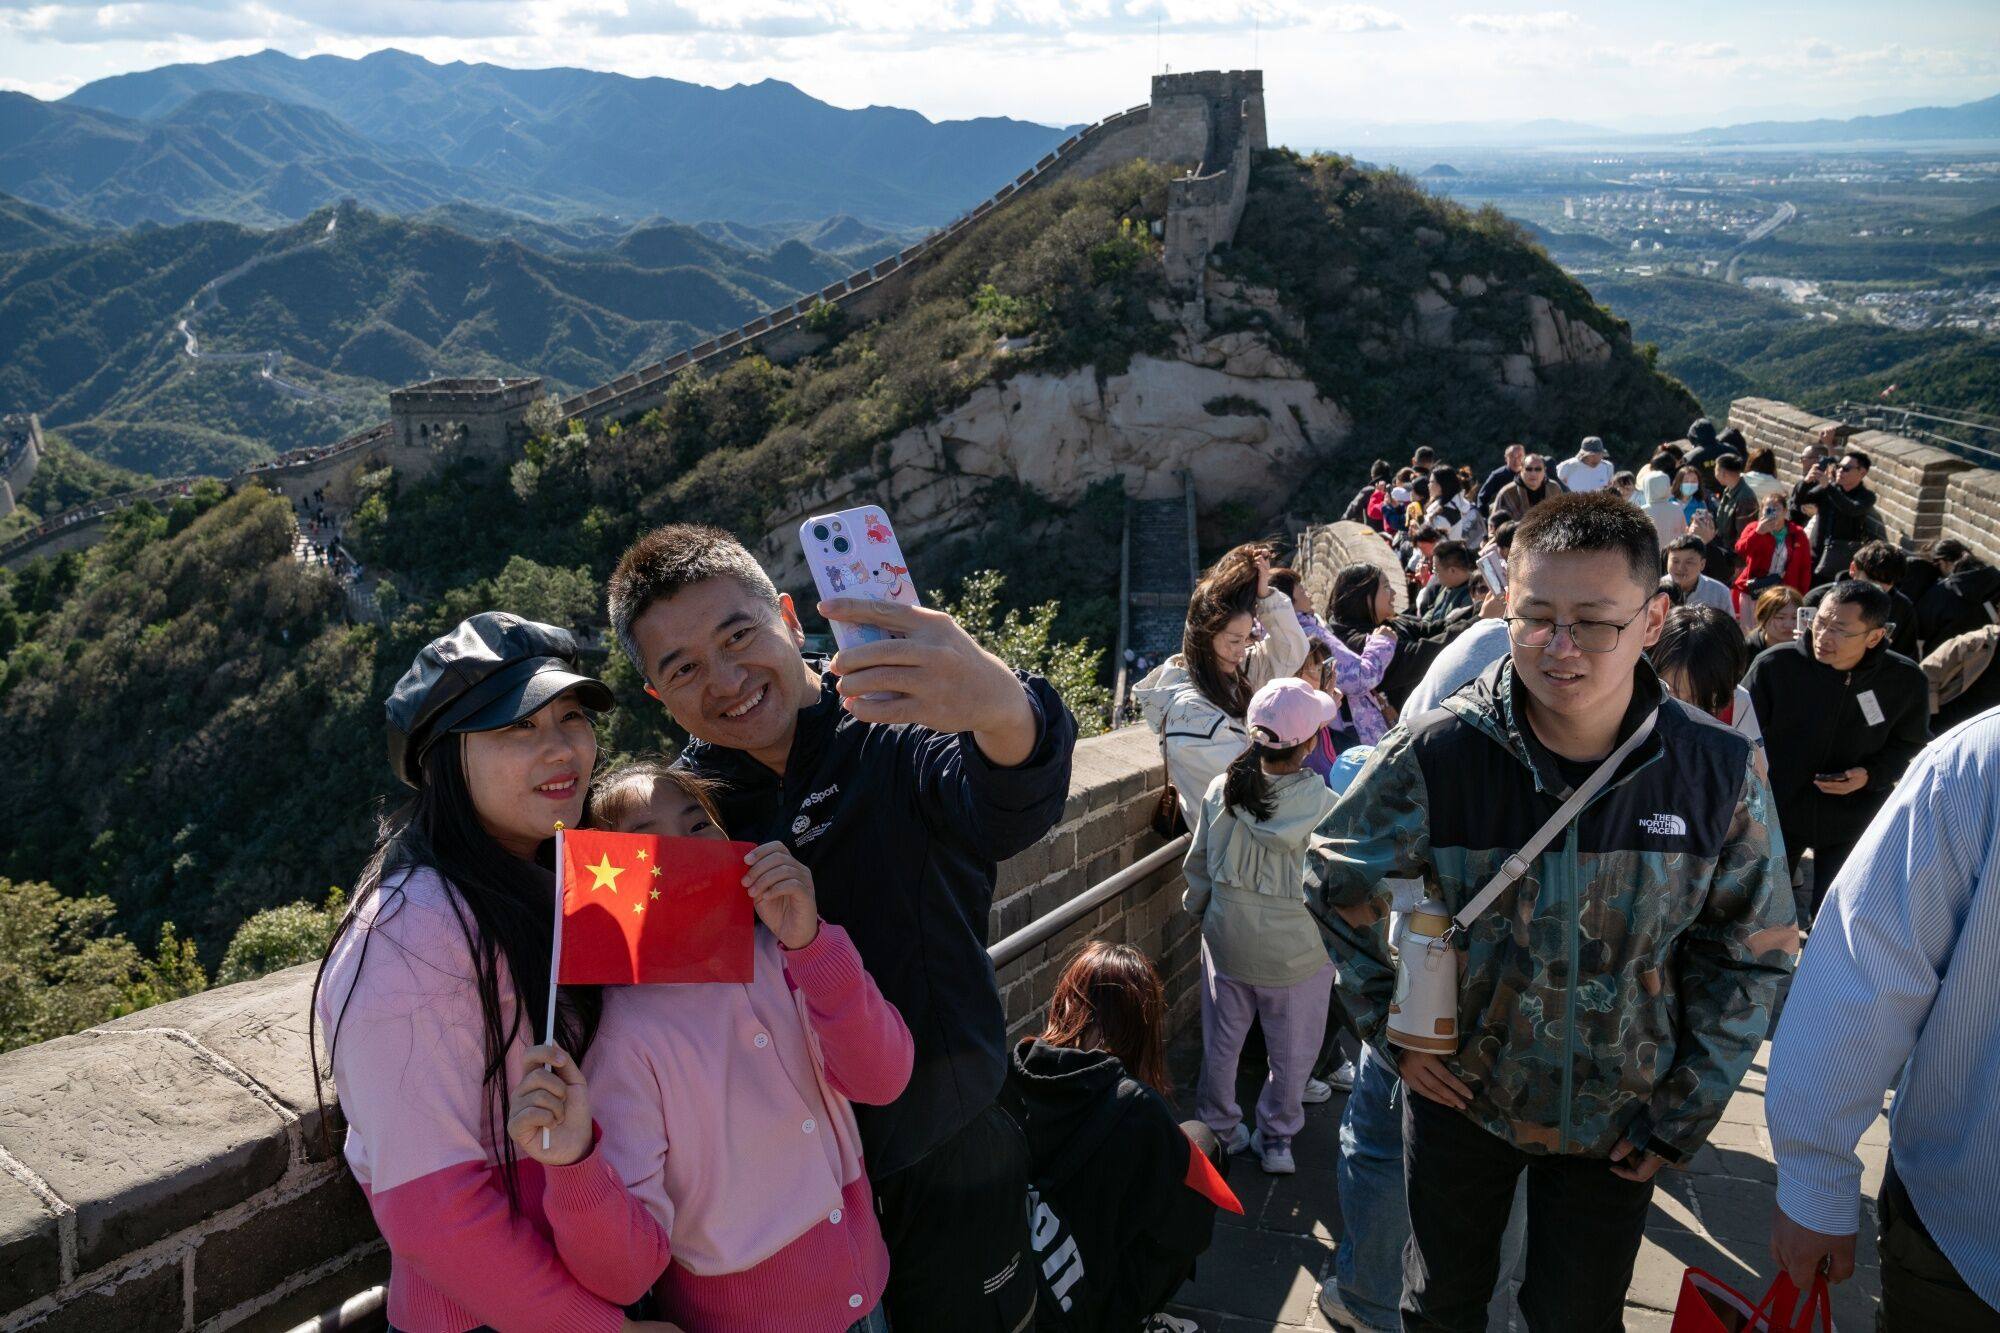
1374,1210
877,1321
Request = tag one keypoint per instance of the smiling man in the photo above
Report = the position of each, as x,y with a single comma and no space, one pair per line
1612,997
902,804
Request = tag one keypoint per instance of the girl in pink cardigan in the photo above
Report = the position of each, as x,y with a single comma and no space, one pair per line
724,1110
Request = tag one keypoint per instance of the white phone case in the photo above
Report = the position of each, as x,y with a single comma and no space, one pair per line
854,553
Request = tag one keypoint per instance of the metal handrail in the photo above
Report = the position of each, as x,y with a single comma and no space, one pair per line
367,1304
1046,928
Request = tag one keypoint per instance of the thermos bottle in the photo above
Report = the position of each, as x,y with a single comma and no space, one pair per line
1423,1014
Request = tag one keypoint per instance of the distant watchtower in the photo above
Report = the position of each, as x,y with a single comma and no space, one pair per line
20,455
1213,120
479,415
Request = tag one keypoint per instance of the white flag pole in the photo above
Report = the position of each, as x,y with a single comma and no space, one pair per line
555,962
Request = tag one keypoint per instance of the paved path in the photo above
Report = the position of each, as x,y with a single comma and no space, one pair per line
1262,1271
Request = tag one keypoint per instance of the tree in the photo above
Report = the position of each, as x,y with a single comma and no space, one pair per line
281,937
1027,643
62,970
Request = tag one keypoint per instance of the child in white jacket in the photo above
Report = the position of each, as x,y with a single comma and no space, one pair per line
1261,954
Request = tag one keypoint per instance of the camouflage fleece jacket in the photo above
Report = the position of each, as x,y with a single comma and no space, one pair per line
1623,984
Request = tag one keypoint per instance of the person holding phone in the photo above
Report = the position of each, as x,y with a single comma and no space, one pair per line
1843,716
1774,552
900,773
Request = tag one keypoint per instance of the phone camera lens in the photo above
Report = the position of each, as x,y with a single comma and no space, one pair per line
840,545
819,532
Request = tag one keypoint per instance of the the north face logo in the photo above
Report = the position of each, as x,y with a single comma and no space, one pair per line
1665,826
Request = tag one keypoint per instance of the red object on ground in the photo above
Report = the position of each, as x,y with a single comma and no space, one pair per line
1707,1304
644,910
1205,1180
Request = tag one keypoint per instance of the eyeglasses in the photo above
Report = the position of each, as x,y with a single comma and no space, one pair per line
1589,636
1833,627
1533,469
1850,467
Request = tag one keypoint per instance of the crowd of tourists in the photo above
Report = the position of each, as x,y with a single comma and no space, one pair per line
1583,744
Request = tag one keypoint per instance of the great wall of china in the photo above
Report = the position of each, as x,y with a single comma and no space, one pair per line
1208,122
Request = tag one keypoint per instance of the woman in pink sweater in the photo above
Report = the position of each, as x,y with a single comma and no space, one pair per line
426,1004
725,1110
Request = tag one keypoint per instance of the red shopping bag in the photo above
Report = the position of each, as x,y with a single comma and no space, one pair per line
1707,1304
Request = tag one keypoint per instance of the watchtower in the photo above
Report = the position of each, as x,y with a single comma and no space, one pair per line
479,415
20,455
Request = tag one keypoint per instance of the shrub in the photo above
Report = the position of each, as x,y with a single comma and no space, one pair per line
281,937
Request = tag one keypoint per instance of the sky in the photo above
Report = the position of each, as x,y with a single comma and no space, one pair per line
1330,67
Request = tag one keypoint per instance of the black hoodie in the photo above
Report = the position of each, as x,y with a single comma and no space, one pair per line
1959,603
1115,1224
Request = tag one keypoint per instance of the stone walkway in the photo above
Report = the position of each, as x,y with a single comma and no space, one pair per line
1260,1274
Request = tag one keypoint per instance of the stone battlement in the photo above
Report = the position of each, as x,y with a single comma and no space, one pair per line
20,456
167,1172
494,394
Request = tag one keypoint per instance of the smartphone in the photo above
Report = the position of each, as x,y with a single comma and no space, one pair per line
1494,566
854,553
1830,777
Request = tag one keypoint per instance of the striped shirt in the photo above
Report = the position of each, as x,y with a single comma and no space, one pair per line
1901,983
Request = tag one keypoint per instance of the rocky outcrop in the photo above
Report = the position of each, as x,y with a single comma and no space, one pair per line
1229,407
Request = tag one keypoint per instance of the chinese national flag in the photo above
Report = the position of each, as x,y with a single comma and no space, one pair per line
637,909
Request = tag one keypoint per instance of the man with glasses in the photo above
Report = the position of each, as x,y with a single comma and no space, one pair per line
1514,456
1846,509
1843,716
1611,999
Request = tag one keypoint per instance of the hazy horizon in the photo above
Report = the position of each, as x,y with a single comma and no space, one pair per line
1331,69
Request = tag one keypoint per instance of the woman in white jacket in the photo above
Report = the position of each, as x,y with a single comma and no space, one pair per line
1195,700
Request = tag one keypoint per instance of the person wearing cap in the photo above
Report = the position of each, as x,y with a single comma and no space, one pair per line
900,773
1261,956
436,980
1589,470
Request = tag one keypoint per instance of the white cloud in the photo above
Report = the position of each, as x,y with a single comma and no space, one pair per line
1539,23
1681,51
1815,49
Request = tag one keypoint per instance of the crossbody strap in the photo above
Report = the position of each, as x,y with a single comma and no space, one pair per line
1517,865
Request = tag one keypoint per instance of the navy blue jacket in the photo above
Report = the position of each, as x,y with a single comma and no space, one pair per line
903,828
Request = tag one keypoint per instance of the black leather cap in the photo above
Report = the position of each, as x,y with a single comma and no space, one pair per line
490,672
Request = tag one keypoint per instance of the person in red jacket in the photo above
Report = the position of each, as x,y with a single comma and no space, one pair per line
1773,545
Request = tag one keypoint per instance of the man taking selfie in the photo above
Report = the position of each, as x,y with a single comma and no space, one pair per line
900,773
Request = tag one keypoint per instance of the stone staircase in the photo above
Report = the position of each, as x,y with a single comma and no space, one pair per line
1162,572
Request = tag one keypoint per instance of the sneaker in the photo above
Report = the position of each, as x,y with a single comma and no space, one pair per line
1238,1140
1343,1077
1336,1310
1276,1157
1316,1092
1168,1323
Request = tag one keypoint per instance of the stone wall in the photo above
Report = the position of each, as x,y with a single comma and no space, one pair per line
20,456
1912,481
165,1172
1972,511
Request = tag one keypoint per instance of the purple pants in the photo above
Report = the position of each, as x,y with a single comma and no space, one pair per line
1294,1019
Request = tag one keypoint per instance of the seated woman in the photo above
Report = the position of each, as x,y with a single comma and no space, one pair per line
1195,699
1124,1196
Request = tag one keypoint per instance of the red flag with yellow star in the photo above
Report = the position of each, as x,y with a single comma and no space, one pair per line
638,909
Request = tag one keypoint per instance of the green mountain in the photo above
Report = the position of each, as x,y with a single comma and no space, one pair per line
339,309
550,142
160,689
24,226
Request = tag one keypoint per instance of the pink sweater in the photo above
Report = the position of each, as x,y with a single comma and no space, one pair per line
407,1053
402,1019
725,1112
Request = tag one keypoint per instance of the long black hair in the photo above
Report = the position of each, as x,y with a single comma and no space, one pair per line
1246,787
504,906
1353,599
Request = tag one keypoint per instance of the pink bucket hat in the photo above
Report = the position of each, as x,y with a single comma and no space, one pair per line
1289,711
